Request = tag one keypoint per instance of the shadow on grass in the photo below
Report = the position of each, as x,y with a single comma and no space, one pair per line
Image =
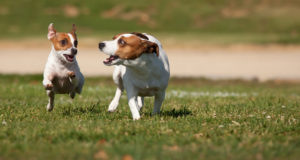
93,108
176,113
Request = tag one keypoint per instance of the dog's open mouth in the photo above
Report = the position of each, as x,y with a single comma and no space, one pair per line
110,59
70,58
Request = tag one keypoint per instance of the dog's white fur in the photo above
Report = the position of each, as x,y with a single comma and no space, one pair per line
57,79
147,75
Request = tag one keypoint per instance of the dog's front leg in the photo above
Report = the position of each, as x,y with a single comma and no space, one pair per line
115,102
118,81
50,105
159,98
47,82
73,78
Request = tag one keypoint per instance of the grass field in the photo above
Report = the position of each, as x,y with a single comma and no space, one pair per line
200,119
268,21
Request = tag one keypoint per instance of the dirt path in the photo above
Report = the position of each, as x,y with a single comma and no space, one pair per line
247,62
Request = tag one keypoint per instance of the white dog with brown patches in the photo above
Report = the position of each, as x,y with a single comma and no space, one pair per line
62,74
141,67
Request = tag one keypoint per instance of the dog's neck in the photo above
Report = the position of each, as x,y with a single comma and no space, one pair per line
141,66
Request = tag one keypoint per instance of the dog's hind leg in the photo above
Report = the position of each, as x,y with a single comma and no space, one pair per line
80,83
72,94
51,95
159,98
140,102
76,80
133,106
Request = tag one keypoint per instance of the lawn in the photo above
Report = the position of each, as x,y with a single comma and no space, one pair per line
260,21
200,119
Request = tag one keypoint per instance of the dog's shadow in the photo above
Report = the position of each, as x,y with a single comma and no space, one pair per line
176,113
89,109
95,109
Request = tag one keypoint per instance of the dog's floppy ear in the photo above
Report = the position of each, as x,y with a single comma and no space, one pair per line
141,35
151,47
51,31
73,29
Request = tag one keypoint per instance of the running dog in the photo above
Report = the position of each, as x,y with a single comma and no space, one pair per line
141,68
62,74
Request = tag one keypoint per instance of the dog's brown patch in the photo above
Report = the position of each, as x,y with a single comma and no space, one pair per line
71,74
133,46
48,86
140,35
61,41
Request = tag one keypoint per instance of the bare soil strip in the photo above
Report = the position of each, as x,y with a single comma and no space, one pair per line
217,62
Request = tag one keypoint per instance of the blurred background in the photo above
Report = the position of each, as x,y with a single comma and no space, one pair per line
233,39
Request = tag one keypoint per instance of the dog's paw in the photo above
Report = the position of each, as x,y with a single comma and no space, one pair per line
48,86
135,118
72,95
49,107
113,106
71,74
111,110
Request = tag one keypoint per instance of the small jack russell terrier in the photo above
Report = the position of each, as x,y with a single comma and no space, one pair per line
62,74
141,67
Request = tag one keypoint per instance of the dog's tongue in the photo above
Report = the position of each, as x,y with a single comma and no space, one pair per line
106,60
109,59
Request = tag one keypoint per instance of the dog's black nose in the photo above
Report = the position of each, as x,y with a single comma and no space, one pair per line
74,51
101,45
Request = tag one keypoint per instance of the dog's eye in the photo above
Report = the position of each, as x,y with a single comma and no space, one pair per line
121,42
63,42
75,43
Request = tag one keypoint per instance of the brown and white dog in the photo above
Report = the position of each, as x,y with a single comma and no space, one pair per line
141,67
62,74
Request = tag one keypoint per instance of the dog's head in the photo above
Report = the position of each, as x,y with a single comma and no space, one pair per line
64,44
128,46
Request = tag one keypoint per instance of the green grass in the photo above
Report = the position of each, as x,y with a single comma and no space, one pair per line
257,19
200,119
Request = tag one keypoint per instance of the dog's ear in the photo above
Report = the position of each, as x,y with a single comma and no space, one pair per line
51,31
141,35
73,29
116,36
150,47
